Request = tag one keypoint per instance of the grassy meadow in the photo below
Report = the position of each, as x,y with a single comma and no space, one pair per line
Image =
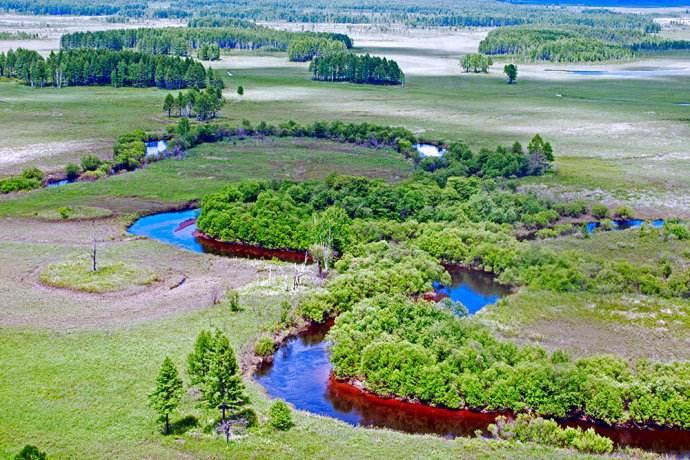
76,368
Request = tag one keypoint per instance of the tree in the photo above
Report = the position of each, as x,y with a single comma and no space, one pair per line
198,360
169,104
166,397
511,72
30,452
223,381
281,416
476,63
240,90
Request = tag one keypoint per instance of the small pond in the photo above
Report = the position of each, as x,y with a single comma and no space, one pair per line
429,150
473,289
155,148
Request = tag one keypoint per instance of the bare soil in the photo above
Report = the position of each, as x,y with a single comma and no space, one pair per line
189,281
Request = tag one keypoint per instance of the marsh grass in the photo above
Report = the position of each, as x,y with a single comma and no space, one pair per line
76,273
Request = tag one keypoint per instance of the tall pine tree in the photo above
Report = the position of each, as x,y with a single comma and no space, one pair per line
166,397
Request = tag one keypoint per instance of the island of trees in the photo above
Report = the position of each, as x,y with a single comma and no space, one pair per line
356,69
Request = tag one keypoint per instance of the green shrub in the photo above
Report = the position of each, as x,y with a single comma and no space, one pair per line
548,432
72,171
600,211
264,347
65,212
33,173
16,184
589,441
624,212
233,299
90,162
281,416
30,452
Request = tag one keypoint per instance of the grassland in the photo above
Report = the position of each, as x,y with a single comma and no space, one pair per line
634,326
76,366
208,168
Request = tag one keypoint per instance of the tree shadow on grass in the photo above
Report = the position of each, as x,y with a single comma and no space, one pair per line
183,425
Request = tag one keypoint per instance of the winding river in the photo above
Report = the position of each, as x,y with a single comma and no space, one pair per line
300,372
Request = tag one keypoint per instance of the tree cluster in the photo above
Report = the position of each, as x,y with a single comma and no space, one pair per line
476,62
204,105
307,48
102,67
356,69
556,45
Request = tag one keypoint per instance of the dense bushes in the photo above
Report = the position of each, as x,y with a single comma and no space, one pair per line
29,179
356,69
102,67
129,150
421,351
547,432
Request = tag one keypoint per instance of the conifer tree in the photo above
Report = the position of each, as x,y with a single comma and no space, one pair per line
166,397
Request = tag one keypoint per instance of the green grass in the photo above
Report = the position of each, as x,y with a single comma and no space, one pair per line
83,395
585,323
76,273
65,124
208,168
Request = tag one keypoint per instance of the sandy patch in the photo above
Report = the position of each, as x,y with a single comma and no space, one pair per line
277,93
31,152
248,61
51,28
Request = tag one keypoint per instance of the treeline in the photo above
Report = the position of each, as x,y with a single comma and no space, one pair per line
103,67
575,44
356,69
62,7
557,45
181,41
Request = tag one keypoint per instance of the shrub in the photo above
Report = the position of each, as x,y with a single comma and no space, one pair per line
30,452
600,211
233,300
624,212
264,347
240,90
589,441
33,173
281,416
15,184
72,171
65,212
90,162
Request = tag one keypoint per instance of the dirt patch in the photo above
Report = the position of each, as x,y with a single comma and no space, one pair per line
189,281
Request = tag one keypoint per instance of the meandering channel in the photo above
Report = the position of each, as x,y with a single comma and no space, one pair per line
301,371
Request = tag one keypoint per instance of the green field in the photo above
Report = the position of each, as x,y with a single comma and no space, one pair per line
208,168
608,134
77,366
